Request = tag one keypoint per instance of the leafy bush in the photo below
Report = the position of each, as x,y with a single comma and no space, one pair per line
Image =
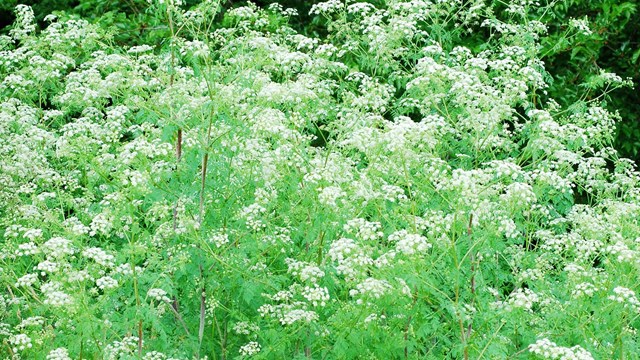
248,191
607,43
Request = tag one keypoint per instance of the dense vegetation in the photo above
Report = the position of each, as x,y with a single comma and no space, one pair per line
401,179
610,44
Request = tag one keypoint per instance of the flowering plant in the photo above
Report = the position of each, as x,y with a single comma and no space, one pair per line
248,191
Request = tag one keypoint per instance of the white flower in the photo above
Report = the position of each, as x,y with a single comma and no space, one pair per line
317,295
581,25
371,287
54,295
296,315
306,271
158,295
245,328
106,282
365,230
58,247
219,239
625,296
250,349
329,195
409,244
27,280
547,349
99,256
20,342
58,354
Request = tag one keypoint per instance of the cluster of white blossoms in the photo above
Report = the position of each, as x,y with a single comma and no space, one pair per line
364,230
584,289
370,287
305,271
519,299
547,349
252,215
25,22
408,243
250,348
158,295
219,239
54,295
316,295
125,347
106,282
329,195
625,296
245,328
57,247
288,314
20,342
59,354
100,256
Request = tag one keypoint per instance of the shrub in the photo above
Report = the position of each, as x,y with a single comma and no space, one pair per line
248,191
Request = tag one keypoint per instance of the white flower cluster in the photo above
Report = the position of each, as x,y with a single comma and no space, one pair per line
252,214
26,249
370,287
329,195
287,314
364,230
59,354
54,295
316,295
547,349
581,26
519,299
101,224
100,256
298,315
26,280
351,259
409,244
33,321
625,296
305,271
584,289
219,239
25,22
154,355
106,282
58,247
519,193
245,328
20,342
326,7
250,348
158,295
622,252
127,347
46,266
170,3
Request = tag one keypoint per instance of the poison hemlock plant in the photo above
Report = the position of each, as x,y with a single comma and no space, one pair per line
247,191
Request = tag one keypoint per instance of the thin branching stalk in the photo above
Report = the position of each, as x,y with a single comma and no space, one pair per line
178,145
178,317
202,309
466,336
473,271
